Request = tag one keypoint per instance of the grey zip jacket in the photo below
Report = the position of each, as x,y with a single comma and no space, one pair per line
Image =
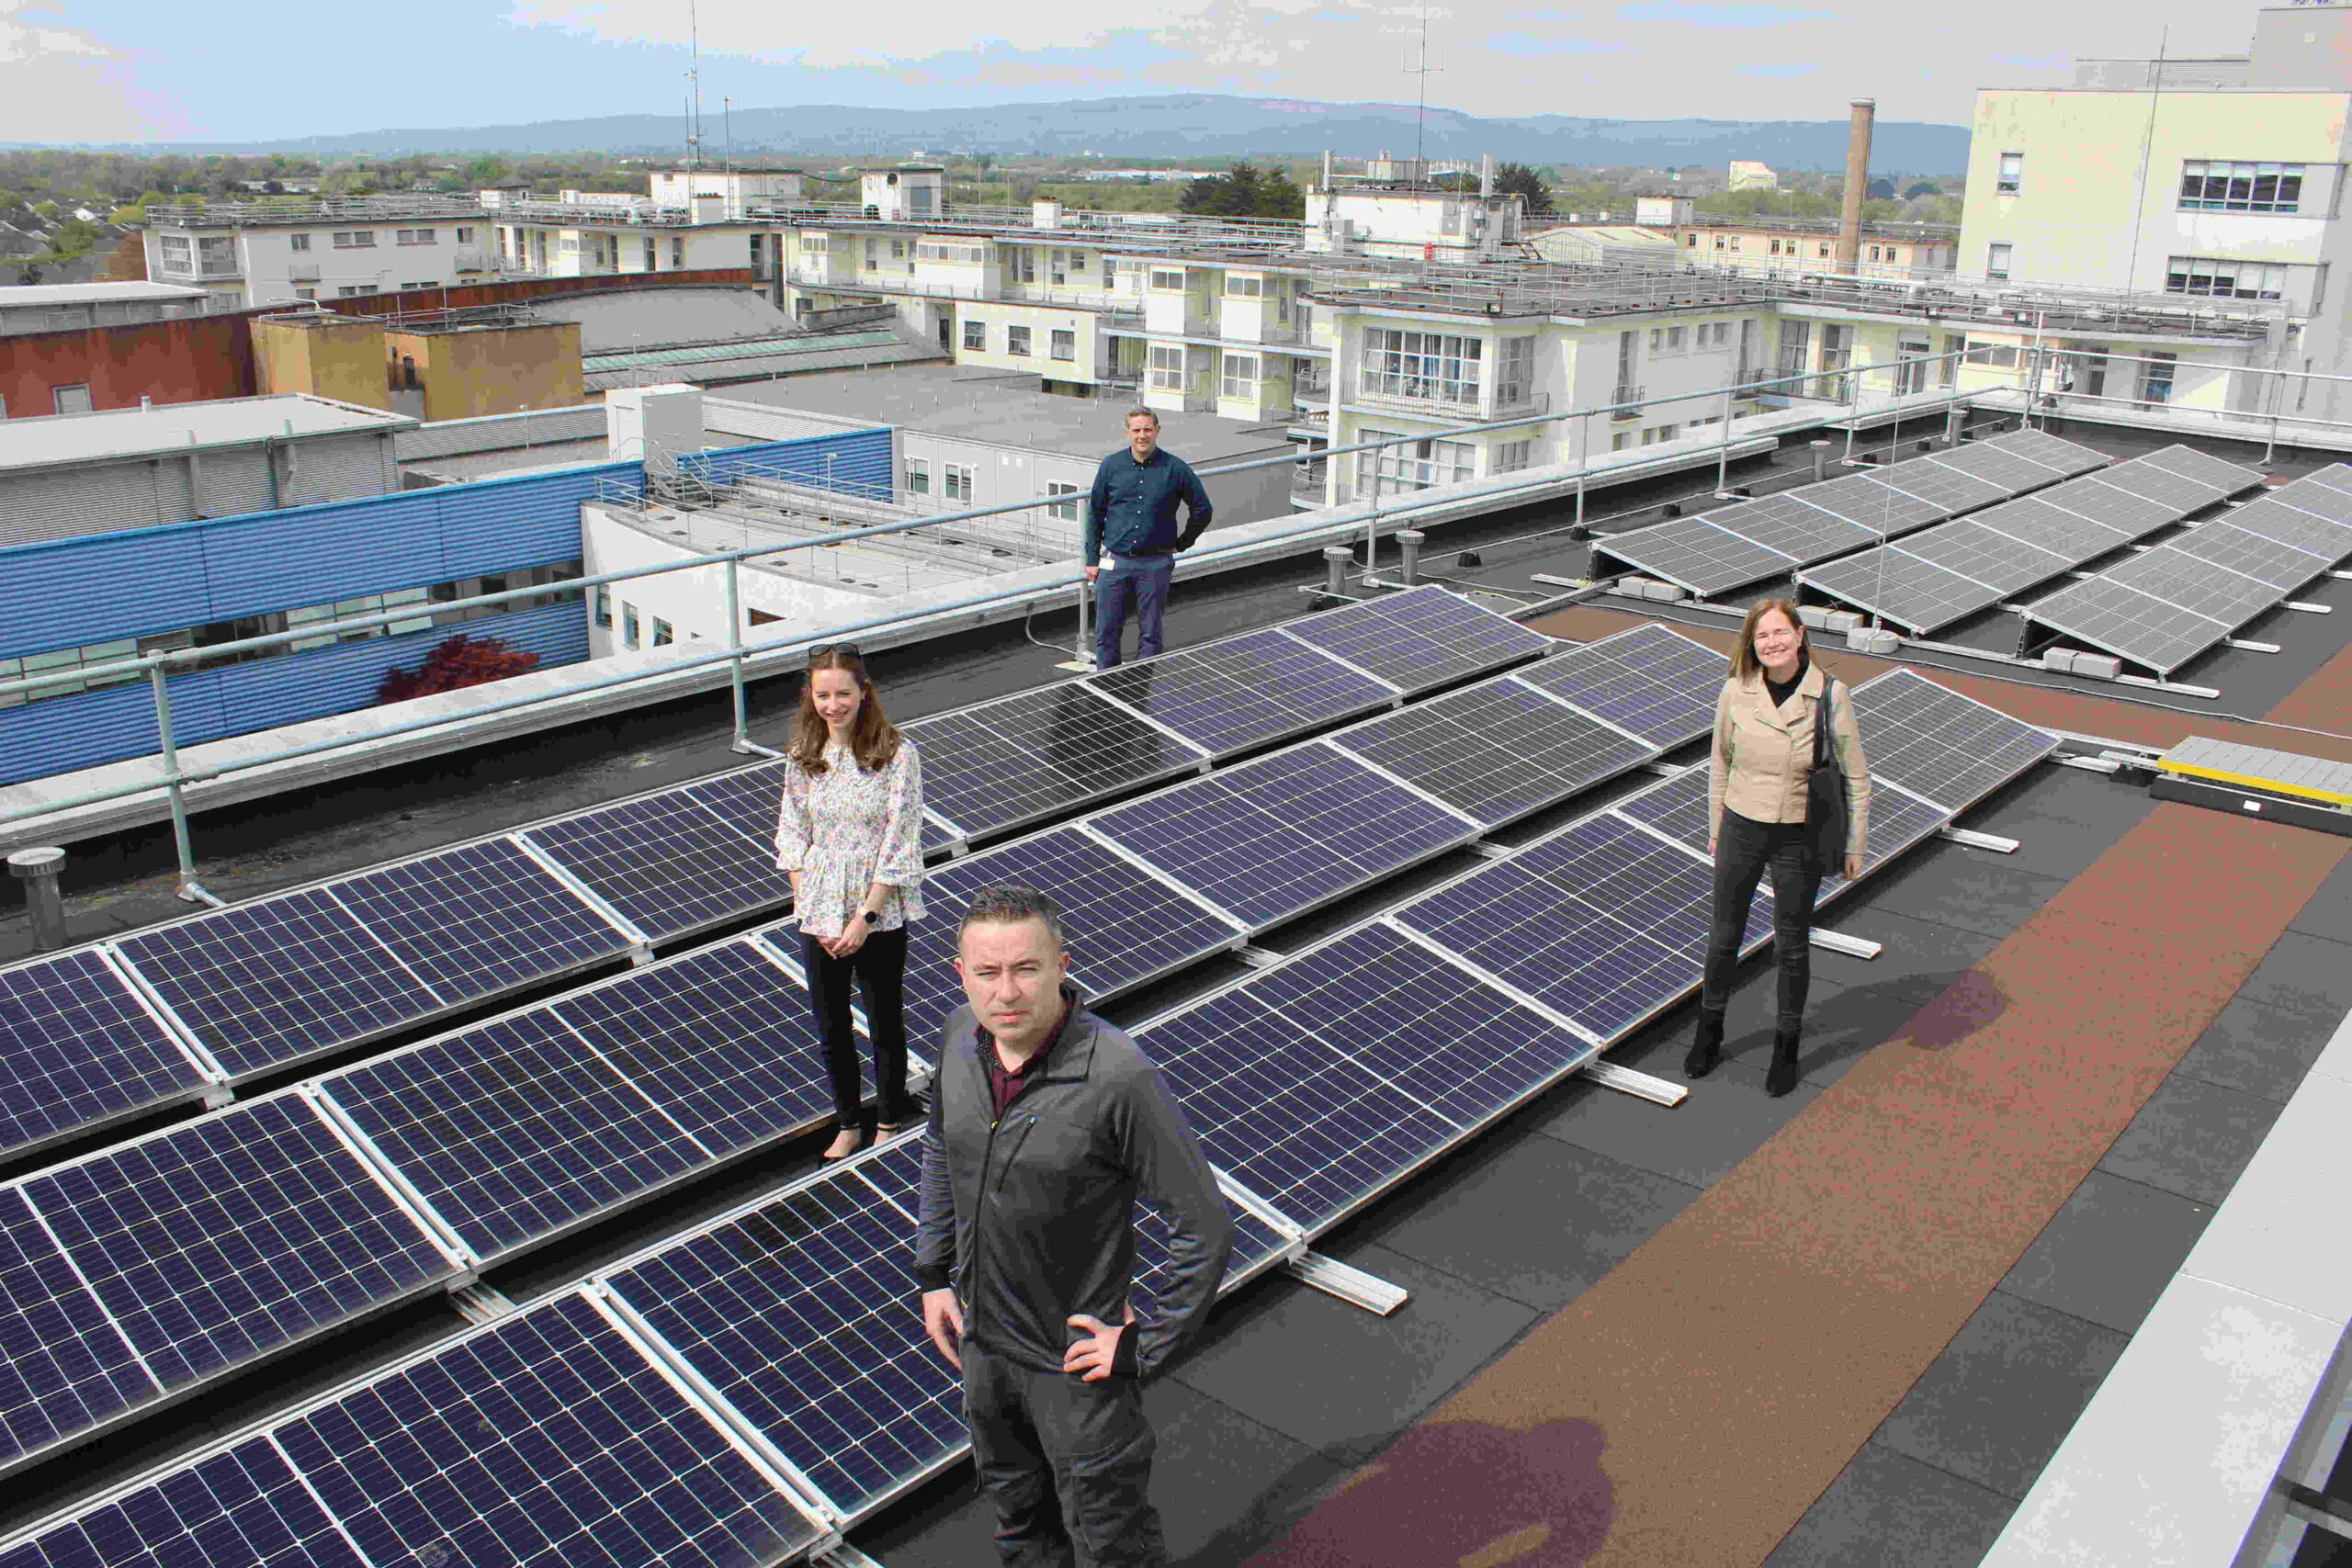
1031,1219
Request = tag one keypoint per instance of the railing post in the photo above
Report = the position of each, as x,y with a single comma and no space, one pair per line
1820,460
743,744
1584,459
1085,653
185,886
1723,458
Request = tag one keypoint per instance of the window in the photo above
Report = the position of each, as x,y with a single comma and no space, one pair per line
2211,186
1240,378
414,237
1999,355
1948,369
2225,279
976,337
628,625
1432,367
1067,510
1166,367
1674,339
1167,280
356,240
1512,455
2155,378
1619,441
74,398
2011,173
1823,250
1418,465
1669,432
1245,285
958,478
1065,343
465,236
677,251
1515,379
1874,253
1016,341
918,476
179,253
1996,263
422,283
306,294
1691,241
352,290
953,252
604,605
664,632
295,241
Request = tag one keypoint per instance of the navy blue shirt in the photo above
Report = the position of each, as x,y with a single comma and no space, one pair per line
1133,509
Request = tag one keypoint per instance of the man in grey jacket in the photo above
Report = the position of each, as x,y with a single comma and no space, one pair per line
1046,1125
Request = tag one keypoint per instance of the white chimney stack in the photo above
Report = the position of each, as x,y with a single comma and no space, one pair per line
1486,173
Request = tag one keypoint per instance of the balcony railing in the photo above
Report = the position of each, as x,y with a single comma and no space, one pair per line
1625,392
1469,410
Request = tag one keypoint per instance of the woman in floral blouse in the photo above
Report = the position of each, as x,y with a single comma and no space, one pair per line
850,831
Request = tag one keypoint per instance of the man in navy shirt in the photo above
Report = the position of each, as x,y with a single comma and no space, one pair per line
1132,516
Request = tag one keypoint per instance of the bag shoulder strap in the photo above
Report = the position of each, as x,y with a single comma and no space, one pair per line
1823,717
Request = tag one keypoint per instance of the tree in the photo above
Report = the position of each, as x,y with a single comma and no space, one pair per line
1519,180
460,661
1924,187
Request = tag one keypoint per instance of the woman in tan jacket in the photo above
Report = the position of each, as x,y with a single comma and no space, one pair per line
1756,798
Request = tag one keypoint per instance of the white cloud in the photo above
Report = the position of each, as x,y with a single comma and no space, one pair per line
62,82
825,35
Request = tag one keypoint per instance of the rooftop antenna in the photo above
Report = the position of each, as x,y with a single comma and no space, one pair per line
726,114
1421,101
2148,150
693,75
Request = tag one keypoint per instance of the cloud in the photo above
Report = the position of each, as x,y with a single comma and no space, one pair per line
60,81
1691,14
1528,43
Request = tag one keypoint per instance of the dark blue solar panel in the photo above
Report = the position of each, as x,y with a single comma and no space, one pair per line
1255,1245
1495,750
1122,925
747,799
722,1039
65,1368
1677,807
998,766
229,1237
1279,835
1243,690
514,1130
266,983
76,1048
667,863
1657,683
1602,923
479,919
1898,820
545,1441
1423,638
241,1508
1940,745
806,1315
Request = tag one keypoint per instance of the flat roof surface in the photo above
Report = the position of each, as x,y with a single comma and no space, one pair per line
1001,406
28,296
51,439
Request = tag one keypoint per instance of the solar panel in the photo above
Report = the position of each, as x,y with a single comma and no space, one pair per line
479,919
1256,1245
2179,578
2050,451
545,1440
1898,820
1948,489
2281,566
2219,474
1602,922
1122,925
1881,508
938,839
1242,690
2335,476
1420,638
2039,522
1316,1084
1656,683
1941,746
76,1047
1787,524
667,863
2275,519
241,1506
513,1131
805,1314
1696,554
1274,837
1004,763
747,799
2007,471
1496,750
2181,492
1676,807
2126,621
274,980
225,1239
722,1040
2097,499
1978,552
2313,495
67,1368
1902,588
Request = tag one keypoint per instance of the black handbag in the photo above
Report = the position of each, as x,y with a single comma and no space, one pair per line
1824,801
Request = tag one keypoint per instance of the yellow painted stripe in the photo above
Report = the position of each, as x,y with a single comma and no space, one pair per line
2332,797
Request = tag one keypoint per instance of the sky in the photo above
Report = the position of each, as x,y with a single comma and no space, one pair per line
162,70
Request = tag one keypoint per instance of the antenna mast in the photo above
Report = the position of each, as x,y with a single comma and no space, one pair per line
693,75
1421,101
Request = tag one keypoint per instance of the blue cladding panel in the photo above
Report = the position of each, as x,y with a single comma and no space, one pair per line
858,461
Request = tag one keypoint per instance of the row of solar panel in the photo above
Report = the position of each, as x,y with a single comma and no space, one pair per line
105,1032
458,1151
1316,1081
1953,571
1732,547
2167,607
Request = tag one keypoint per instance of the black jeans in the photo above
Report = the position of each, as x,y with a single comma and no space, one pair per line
1067,1463
1743,851
880,965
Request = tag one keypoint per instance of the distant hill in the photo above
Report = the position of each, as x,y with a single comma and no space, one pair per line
1192,125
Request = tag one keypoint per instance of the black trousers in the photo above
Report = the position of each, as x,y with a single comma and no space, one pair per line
880,966
1743,851
1067,1463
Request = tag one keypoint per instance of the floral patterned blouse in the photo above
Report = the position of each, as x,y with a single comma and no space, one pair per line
845,830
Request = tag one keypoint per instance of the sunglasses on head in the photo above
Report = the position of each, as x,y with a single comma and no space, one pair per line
820,651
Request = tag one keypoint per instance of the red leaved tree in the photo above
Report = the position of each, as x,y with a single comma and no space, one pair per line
461,661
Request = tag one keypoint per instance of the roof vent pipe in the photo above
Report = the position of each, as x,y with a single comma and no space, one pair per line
1858,179
1486,173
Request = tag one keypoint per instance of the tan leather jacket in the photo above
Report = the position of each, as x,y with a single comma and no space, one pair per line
1763,754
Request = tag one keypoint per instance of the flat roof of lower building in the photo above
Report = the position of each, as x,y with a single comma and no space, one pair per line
52,440
31,295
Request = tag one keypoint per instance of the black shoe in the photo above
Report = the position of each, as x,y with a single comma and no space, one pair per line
1781,1076
912,1112
1706,1045
835,1159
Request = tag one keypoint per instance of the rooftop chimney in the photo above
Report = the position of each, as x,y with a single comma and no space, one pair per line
1858,179
1486,175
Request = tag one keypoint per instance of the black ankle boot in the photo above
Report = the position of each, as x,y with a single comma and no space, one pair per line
1706,1045
1781,1076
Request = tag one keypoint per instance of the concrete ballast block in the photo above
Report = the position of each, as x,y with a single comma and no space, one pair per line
1631,587
1813,616
1871,640
2098,666
1840,621
1666,591
2058,658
